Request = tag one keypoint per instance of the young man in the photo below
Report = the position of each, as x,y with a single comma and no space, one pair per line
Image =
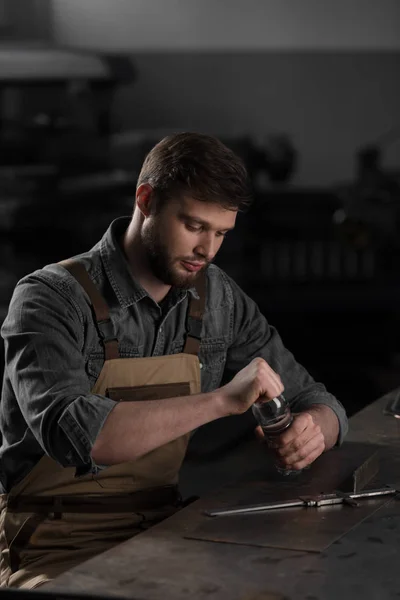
115,356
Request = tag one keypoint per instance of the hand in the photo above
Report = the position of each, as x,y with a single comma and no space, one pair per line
252,382
300,445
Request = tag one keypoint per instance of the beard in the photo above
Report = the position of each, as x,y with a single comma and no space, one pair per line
162,264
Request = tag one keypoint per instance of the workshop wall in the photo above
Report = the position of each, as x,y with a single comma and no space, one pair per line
328,103
26,21
228,24
324,73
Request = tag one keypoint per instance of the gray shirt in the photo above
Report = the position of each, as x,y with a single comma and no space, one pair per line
54,354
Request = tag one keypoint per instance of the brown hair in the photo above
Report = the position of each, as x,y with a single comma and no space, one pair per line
198,165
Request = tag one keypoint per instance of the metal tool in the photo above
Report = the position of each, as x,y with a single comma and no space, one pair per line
303,501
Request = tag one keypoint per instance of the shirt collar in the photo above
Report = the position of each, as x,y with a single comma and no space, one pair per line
127,290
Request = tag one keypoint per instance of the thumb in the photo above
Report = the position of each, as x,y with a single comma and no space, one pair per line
259,433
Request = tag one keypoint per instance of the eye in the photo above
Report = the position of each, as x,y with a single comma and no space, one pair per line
222,233
197,228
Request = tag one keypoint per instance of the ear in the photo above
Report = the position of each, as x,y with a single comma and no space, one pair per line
144,198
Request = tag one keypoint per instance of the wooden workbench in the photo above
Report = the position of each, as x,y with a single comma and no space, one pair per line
162,564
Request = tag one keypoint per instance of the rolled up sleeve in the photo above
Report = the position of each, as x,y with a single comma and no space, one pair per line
81,422
44,337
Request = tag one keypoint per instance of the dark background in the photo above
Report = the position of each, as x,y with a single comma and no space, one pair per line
309,98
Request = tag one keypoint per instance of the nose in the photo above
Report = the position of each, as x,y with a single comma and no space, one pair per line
208,246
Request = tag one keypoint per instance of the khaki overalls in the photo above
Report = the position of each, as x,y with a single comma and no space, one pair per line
52,521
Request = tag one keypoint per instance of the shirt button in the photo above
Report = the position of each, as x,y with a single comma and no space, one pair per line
160,330
201,365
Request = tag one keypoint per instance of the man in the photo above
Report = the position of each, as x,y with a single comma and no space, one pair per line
115,356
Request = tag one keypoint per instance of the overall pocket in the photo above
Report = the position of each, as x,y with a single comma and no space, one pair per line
212,358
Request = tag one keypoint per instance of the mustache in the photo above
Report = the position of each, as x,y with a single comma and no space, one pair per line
195,259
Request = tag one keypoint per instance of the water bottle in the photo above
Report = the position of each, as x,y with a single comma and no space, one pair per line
274,416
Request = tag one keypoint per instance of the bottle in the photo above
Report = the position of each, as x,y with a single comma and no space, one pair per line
274,416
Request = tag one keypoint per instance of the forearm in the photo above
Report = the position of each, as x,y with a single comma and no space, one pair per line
133,429
326,418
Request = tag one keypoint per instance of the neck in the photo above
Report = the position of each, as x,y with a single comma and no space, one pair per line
139,264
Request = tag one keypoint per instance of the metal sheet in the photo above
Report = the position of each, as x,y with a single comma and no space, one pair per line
341,469
365,473
307,529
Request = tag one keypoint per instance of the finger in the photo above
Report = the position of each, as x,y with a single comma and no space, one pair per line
295,444
294,437
301,423
261,437
302,464
259,434
269,390
270,380
314,446
275,378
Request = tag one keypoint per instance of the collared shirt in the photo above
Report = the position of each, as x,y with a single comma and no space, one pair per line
54,353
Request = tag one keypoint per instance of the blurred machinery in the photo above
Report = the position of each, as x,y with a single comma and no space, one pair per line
271,159
370,212
55,130
64,172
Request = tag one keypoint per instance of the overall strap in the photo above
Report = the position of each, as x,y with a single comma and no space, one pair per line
101,310
195,317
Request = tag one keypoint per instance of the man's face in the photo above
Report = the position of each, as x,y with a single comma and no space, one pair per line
183,237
